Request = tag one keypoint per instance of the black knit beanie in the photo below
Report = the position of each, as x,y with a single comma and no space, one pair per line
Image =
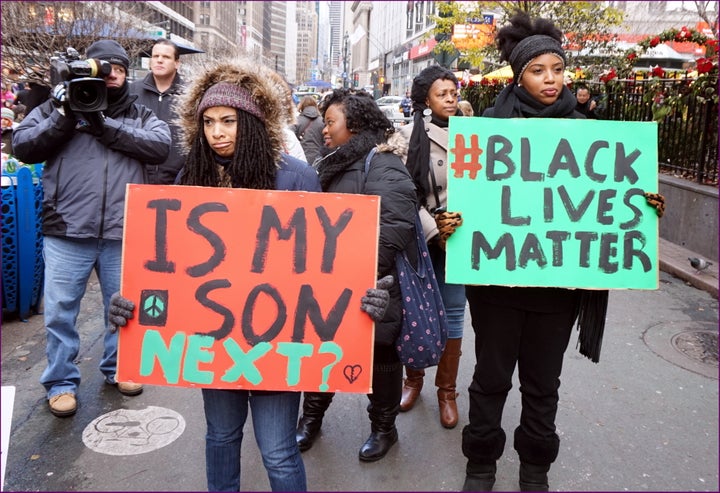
110,51
530,48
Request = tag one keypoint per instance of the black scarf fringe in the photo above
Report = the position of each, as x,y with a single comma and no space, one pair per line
592,311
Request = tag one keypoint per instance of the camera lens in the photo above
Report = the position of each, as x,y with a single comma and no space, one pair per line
87,95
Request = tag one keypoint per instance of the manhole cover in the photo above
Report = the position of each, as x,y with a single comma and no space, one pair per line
132,432
692,345
699,345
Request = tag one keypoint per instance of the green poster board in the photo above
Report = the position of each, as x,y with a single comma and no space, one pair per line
553,202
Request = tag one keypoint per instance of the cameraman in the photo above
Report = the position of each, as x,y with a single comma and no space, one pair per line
89,159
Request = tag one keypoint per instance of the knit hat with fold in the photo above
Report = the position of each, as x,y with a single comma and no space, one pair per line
232,96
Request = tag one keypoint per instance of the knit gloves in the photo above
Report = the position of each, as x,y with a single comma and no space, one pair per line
120,311
376,300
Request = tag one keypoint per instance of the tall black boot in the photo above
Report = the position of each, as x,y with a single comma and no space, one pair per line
479,477
536,456
383,409
314,406
534,477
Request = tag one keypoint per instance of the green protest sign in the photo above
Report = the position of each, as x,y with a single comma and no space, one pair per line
553,202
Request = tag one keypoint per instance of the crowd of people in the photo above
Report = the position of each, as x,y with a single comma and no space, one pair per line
234,125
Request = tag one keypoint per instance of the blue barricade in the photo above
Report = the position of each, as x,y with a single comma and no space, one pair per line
22,261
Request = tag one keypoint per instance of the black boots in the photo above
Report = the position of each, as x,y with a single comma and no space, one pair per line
383,409
314,406
479,477
533,477
378,444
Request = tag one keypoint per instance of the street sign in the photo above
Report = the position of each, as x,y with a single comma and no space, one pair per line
445,58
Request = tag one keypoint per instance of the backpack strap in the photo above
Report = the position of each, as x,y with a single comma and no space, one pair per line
301,135
369,157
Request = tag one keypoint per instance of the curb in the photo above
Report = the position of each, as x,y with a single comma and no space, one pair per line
674,260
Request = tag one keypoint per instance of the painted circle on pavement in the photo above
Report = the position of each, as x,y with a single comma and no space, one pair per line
133,431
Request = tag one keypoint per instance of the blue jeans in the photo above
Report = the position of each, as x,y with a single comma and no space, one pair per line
274,418
68,265
453,295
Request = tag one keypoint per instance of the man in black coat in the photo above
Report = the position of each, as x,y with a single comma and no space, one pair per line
158,91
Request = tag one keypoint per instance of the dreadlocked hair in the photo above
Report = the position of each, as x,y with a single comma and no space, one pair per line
252,165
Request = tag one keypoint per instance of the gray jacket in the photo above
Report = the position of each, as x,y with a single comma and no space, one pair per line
84,177
309,131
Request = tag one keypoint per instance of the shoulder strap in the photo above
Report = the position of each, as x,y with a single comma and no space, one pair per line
302,134
368,159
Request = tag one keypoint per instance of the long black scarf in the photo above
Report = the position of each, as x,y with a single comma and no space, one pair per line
418,159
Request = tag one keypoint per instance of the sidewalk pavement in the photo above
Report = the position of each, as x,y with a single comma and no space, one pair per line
674,260
644,419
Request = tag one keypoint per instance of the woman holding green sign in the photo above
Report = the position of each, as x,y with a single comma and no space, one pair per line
527,326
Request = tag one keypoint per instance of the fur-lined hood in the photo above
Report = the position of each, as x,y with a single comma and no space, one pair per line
267,88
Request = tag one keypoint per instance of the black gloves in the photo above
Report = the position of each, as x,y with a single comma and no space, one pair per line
375,301
120,311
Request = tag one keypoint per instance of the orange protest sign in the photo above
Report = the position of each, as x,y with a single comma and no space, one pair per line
248,289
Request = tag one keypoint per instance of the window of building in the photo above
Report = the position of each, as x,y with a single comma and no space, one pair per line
419,13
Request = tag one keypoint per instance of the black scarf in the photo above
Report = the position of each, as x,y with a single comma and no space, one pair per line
418,159
339,159
514,101
118,100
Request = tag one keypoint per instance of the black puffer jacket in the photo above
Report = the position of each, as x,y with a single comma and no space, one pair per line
388,178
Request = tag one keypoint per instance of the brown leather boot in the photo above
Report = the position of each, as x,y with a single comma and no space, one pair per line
446,382
411,388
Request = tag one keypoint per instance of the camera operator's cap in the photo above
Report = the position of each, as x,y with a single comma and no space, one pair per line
109,51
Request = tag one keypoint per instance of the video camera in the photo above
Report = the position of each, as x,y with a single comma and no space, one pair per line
84,84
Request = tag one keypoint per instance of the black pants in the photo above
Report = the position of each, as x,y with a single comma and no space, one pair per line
535,341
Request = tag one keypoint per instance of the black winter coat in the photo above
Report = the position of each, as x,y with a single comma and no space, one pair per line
388,178
163,105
